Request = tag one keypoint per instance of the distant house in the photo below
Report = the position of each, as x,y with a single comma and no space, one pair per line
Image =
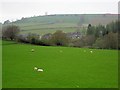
74,35
22,38
46,36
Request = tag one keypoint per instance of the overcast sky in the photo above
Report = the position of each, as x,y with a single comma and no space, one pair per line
16,9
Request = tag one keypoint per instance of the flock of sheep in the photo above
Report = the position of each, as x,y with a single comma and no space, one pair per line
40,69
32,50
36,68
90,51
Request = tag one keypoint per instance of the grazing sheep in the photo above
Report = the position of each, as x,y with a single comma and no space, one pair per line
91,51
35,68
32,50
40,70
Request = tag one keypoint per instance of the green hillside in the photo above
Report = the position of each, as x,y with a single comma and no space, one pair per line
65,22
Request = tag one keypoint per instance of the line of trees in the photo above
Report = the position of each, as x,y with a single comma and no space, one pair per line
103,37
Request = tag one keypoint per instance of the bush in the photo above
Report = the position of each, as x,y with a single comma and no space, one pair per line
59,39
33,38
109,41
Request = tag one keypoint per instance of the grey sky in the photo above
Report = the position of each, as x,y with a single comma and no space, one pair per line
16,9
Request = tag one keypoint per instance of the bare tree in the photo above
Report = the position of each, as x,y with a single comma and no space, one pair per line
10,32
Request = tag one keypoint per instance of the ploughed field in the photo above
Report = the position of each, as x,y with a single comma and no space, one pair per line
63,67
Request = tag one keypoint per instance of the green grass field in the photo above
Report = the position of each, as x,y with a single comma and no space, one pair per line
64,67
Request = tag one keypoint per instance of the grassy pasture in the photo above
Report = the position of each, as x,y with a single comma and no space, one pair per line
64,67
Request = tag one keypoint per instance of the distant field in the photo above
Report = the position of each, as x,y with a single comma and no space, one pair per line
64,67
47,28
50,28
66,23
43,31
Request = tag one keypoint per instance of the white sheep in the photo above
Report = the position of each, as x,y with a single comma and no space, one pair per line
91,51
40,70
35,68
32,50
